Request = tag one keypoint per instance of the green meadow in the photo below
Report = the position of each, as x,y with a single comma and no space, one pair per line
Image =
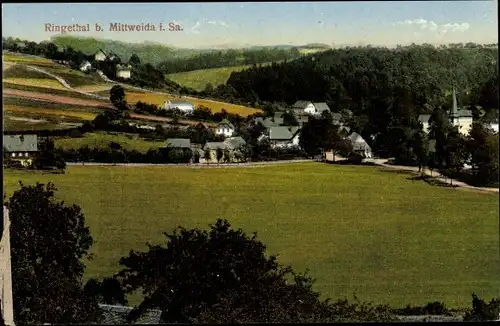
357,229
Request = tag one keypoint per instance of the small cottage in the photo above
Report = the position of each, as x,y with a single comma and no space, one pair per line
100,55
85,66
359,145
183,106
225,128
123,71
178,150
284,136
22,148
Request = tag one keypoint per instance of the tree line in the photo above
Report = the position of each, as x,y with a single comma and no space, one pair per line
219,275
228,58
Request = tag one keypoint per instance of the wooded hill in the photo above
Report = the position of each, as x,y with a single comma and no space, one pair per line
365,79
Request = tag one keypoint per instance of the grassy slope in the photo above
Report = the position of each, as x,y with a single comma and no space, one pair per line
147,52
198,79
102,140
359,230
159,99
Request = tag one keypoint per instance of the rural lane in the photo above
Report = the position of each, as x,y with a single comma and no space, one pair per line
436,175
194,165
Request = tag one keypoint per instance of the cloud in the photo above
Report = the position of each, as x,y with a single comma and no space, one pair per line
194,29
434,27
220,23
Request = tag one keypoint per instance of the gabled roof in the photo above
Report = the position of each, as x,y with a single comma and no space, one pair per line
178,102
321,107
283,132
344,128
100,50
20,143
301,104
235,142
123,67
424,118
227,123
215,145
117,315
356,138
178,143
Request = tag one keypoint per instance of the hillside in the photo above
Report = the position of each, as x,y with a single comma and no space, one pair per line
148,52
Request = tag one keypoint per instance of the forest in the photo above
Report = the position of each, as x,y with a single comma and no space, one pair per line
227,58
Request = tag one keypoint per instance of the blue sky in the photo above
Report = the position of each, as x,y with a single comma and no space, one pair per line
271,23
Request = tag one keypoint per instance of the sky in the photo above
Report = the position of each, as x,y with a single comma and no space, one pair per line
270,23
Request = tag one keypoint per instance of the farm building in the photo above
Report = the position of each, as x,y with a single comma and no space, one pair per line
359,145
225,128
21,148
123,71
100,55
183,106
284,136
303,107
85,66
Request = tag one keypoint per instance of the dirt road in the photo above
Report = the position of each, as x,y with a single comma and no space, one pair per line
53,98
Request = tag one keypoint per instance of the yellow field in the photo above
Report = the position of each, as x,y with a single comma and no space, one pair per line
214,106
37,82
54,112
27,60
95,88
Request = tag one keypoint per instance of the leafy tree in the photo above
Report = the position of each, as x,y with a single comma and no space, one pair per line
220,276
47,156
208,155
134,60
47,270
289,119
196,157
219,154
107,291
455,152
482,311
483,147
117,97
226,156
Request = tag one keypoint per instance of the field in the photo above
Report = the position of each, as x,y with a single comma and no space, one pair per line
37,61
46,83
198,79
214,106
357,229
102,139
37,89
19,123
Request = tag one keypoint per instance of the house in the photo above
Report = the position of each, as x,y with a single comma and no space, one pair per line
212,147
123,71
493,126
269,122
85,66
178,143
225,128
302,107
320,108
100,55
460,118
424,119
337,118
359,145
21,148
231,145
301,118
284,136
183,106
343,131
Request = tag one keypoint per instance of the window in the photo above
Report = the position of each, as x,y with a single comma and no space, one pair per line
13,154
26,154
